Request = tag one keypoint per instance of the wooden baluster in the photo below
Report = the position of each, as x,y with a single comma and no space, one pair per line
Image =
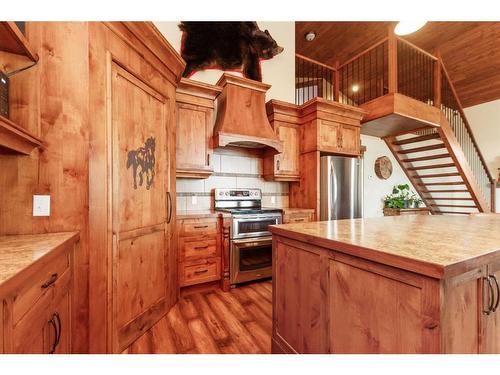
336,81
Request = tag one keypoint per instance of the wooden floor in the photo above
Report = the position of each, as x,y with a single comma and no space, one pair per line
213,322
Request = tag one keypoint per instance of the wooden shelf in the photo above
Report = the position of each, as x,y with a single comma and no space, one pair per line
13,41
14,139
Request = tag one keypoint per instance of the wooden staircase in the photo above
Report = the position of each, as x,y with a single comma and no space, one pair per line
413,106
437,167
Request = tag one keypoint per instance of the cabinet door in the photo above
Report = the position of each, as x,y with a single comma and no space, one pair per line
193,150
63,323
350,139
384,311
140,180
287,163
329,136
491,322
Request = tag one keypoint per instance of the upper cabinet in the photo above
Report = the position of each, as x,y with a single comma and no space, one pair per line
16,54
285,120
195,122
331,127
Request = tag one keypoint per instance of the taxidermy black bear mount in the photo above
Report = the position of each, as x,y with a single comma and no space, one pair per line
226,46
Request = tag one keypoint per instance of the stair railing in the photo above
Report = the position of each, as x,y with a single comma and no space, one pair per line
452,108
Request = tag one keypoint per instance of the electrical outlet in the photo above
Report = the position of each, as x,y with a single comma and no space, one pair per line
273,199
194,200
41,205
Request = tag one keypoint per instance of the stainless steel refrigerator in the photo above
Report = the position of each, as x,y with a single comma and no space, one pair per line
341,190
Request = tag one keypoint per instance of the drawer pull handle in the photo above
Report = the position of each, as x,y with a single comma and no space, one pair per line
201,247
200,226
50,281
55,322
199,272
301,219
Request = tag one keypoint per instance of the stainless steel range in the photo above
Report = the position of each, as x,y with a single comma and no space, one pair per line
251,245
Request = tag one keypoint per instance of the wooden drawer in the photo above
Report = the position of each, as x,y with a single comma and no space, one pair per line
198,227
198,272
34,332
198,247
303,217
31,292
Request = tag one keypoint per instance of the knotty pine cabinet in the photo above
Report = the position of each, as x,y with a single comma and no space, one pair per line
133,261
200,243
345,304
195,122
36,314
284,119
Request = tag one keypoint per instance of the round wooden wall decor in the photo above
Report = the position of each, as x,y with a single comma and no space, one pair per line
383,167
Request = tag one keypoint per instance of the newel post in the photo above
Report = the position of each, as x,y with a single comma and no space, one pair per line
392,53
437,80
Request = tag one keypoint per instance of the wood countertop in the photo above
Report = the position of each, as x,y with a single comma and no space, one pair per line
186,214
435,246
19,252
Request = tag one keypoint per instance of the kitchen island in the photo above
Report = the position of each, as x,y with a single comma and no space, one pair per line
414,284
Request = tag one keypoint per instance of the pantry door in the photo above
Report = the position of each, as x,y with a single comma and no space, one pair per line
141,206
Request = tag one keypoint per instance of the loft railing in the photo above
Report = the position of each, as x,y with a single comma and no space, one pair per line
313,79
415,72
365,77
394,65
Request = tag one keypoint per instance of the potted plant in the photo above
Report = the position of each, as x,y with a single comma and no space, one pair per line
402,197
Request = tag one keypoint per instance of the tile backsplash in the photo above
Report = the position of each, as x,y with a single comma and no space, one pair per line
231,170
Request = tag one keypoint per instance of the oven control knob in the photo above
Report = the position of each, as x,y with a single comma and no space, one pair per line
227,193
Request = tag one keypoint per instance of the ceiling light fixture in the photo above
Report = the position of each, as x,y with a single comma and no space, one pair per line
408,27
310,36
355,88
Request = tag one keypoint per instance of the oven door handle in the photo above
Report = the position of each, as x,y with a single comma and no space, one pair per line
250,242
252,220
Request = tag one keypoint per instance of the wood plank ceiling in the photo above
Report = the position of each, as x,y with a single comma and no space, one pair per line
470,50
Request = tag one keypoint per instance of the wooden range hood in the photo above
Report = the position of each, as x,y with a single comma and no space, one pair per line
241,115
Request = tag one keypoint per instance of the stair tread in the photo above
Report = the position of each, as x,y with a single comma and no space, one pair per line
448,199
454,212
445,191
434,175
442,183
416,139
423,148
452,205
423,158
434,166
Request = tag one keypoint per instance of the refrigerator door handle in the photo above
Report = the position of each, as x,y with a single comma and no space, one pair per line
333,184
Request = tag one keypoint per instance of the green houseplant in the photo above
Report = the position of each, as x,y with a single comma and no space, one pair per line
402,197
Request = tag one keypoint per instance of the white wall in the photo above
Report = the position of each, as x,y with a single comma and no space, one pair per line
376,189
279,71
484,120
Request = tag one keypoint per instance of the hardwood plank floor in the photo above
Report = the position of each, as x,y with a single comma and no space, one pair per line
212,322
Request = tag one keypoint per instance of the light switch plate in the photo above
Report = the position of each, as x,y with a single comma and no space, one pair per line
273,199
41,205
194,200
